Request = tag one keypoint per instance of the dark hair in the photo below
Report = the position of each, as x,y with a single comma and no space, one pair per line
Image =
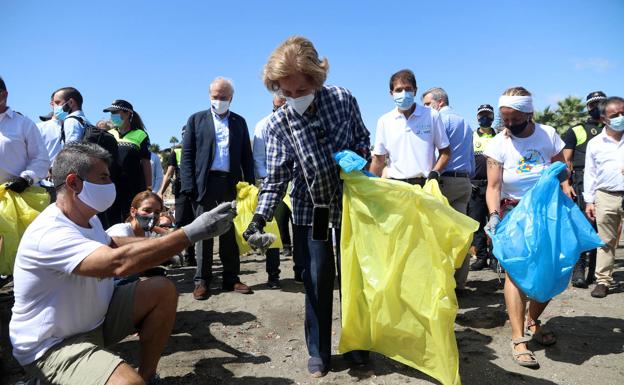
2,85
136,122
70,93
405,75
602,105
76,158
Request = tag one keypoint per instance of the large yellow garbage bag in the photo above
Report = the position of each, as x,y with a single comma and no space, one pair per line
246,202
17,211
400,246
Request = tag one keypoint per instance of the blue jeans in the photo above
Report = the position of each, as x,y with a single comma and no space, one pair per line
319,274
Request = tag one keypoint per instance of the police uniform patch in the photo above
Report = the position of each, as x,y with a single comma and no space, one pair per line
593,131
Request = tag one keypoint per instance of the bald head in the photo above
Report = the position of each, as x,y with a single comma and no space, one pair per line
221,89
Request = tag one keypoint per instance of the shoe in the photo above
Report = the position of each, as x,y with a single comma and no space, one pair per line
600,291
317,368
201,291
480,264
238,287
496,267
273,282
578,276
298,278
190,261
532,362
287,250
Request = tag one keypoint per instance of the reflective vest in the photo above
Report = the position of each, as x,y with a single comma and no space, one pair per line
135,137
480,142
583,133
178,154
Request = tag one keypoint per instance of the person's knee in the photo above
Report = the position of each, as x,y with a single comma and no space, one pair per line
161,289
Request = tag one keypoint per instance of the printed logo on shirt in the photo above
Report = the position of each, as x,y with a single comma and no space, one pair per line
530,160
421,129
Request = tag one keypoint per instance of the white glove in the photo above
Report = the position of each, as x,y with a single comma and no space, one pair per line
490,227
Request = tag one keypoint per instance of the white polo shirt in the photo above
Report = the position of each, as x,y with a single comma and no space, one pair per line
604,166
410,144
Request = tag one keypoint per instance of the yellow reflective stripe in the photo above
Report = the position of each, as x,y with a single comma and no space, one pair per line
135,137
178,153
580,133
479,143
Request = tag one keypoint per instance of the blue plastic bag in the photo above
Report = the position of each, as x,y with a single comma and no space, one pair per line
540,240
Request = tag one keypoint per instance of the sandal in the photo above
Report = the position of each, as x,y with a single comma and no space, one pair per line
532,362
542,336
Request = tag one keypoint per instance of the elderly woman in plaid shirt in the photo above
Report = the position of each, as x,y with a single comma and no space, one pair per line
315,122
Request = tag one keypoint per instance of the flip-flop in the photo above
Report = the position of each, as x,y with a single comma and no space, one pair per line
543,335
532,362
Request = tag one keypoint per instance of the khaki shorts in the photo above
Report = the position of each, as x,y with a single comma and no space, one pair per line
83,359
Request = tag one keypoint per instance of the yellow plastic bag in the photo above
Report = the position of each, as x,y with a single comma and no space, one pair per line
246,202
400,245
17,211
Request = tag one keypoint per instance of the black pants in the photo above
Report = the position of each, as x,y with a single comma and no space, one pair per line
282,217
588,258
220,189
184,215
477,210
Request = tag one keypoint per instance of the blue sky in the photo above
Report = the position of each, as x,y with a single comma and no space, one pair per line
161,56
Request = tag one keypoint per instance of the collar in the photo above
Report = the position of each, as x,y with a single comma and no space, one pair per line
216,116
417,112
77,113
607,138
9,113
444,109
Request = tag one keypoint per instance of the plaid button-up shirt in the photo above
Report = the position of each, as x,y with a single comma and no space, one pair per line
301,147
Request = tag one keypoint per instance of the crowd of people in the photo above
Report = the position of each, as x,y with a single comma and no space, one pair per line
108,225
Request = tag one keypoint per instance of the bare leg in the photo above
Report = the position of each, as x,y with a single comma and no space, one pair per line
124,374
535,310
516,307
155,304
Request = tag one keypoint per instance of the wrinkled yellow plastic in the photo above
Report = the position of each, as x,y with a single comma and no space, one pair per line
400,246
17,211
246,202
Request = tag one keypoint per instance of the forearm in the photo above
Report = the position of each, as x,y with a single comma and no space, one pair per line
443,159
492,198
378,164
133,256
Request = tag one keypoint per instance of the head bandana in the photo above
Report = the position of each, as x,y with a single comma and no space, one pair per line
519,103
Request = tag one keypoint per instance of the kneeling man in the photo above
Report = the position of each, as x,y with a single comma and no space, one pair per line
67,310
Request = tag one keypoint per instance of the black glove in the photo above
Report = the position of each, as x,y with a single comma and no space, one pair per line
256,237
256,226
563,175
17,184
434,175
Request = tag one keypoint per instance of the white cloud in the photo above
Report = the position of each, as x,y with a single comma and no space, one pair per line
597,64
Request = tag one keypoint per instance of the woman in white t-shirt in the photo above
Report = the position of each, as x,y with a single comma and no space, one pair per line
515,160
145,211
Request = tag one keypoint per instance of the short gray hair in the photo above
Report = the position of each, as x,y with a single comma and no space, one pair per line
76,158
437,94
228,82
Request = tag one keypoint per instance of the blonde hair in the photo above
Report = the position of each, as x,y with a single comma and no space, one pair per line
516,91
296,55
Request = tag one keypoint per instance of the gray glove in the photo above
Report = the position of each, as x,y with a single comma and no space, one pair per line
211,224
490,227
261,241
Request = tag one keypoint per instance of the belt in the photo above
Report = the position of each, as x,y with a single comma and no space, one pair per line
219,174
418,180
616,193
456,174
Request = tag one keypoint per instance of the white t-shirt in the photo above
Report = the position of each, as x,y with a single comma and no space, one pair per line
410,144
524,159
51,303
125,230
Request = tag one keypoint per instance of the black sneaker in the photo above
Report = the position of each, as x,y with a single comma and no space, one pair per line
190,261
298,278
274,282
479,264
496,267
578,277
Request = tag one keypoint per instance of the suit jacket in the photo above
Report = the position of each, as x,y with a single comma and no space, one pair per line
199,148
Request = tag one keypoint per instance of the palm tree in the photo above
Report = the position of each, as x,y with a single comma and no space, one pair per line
570,112
173,141
154,148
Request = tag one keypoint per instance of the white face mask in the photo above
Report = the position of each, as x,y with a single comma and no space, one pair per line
301,103
97,196
220,106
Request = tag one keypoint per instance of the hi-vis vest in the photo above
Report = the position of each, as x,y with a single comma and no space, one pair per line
480,142
178,153
134,137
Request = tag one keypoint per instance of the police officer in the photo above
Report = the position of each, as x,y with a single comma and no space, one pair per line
576,139
477,208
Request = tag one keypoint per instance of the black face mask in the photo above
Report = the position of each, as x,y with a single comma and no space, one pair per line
594,113
146,222
518,128
485,121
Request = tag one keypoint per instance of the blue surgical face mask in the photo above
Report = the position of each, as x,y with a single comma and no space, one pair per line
60,113
117,120
404,100
617,123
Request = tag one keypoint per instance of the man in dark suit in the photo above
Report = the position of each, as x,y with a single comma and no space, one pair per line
216,155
